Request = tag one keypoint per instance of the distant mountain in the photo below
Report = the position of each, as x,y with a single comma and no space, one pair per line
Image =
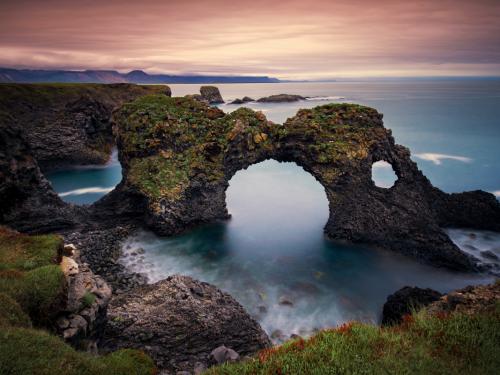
112,76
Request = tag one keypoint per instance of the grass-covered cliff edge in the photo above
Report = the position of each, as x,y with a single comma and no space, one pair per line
32,285
444,343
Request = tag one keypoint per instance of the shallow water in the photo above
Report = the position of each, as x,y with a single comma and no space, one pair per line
273,248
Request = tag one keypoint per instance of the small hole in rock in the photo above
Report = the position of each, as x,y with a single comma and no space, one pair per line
383,174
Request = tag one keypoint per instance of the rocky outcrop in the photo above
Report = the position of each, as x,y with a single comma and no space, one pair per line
179,321
211,95
81,322
245,99
281,98
68,124
404,301
27,201
469,300
179,154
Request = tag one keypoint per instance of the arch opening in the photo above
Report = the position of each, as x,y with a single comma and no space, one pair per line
383,174
277,199
87,184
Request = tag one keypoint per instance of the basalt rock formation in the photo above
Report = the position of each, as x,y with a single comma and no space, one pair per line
404,301
68,124
469,300
27,201
178,155
211,95
179,321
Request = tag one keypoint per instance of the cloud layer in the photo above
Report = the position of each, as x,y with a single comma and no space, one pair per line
289,39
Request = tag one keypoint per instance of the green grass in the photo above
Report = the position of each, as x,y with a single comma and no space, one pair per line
39,292
23,252
28,351
88,299
446,344
32,293
11,313
29,272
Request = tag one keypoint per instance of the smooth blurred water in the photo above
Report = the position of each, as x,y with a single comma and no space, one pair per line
273,248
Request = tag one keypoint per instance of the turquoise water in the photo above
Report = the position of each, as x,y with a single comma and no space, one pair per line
273,249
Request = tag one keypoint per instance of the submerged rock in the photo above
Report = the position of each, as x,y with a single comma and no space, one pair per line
211,95
403,301
179,321
281,98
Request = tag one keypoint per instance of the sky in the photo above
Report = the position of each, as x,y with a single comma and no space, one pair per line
287,39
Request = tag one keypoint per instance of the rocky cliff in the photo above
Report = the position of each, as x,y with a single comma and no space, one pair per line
178,155
68,124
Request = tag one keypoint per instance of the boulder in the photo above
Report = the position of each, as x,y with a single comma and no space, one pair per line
222,354
404,300
179,321
281,98
211,95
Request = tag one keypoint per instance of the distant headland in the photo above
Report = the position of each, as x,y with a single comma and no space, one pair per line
112,76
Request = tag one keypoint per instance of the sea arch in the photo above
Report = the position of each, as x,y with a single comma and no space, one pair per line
179,154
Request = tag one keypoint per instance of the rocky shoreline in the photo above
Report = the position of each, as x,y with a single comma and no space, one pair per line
178,155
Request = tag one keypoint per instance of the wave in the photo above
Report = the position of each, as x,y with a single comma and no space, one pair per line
496,193
90,190
438,158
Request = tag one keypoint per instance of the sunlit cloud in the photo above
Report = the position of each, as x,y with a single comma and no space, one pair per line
288,39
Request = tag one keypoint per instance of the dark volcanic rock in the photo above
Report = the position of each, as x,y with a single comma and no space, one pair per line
177,173
244,100
281,98
404,300
211,95
469,300
179,322
69,124
27,201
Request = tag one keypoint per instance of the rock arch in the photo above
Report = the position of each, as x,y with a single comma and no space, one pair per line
179,154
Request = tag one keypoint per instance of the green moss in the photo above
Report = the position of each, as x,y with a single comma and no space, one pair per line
11,313
88,299
28,351
159,177
24,252
454,344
